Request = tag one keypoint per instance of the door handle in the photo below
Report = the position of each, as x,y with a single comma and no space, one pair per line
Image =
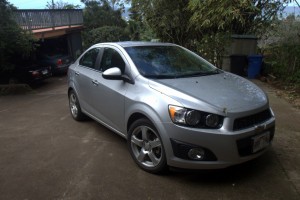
76,73
95,82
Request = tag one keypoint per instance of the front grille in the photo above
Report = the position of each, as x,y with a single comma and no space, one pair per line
245,145
252,120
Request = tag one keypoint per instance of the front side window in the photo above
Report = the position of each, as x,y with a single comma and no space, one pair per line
89,58
111,58
168,62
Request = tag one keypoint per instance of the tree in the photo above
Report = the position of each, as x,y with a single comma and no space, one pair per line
99,13
281,46
239,17
138,28
106,34
169,19
61,5
217,18
14,41
100,20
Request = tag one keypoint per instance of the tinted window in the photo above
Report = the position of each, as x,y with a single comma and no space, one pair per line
111,58
168,62
89,58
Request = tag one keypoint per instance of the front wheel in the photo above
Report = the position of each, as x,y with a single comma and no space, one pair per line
145,146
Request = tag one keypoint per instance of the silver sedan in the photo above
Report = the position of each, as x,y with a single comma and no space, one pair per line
173,107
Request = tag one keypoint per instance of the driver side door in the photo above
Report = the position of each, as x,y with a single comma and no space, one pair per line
109,95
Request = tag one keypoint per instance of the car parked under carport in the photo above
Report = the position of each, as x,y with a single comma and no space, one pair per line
59,63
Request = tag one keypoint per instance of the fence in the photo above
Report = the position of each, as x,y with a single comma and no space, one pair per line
40,19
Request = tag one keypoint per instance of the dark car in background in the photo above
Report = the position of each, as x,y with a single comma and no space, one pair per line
59,63
25,72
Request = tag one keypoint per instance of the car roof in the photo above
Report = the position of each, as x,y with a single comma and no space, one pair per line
137,43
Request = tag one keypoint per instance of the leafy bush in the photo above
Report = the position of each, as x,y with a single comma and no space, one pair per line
283,53
103,22
106,34
213,47
14,41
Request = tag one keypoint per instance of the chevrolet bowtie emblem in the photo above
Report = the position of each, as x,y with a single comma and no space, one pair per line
260,128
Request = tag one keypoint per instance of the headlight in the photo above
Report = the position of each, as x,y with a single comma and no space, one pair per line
177,114
212,120
194,118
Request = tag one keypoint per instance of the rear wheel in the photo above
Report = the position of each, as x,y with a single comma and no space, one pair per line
145,146
75,107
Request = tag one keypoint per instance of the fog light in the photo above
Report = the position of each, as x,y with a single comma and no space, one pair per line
196,154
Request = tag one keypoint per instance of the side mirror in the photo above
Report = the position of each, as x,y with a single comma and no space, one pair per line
116,74
112,73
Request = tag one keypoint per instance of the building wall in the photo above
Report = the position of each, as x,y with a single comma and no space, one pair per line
75,44
240,45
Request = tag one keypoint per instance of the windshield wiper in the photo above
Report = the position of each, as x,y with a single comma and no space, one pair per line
216,71
160,76
174,76
196,74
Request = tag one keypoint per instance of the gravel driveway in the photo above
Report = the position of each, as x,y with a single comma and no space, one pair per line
45,154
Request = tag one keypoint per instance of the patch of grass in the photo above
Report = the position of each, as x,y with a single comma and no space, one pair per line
290,92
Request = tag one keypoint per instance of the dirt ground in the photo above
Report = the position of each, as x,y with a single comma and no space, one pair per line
45,154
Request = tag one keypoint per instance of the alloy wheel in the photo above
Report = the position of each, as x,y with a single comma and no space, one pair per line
73,105
146,146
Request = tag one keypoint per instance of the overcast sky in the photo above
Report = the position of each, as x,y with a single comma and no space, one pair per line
38,4
41,4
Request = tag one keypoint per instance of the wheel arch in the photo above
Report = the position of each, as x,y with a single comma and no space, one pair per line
143,110
133,117
71,89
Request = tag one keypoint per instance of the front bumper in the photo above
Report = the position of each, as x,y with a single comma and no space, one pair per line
223,147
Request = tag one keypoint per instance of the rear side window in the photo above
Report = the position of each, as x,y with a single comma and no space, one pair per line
89,58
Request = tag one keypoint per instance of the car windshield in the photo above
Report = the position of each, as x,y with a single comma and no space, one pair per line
163,62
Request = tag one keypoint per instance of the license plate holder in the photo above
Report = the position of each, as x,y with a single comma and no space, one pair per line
260,142
44,72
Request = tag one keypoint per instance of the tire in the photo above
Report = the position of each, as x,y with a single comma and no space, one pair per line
75,107
146,147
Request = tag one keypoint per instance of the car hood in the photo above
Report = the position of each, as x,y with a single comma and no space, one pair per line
225,92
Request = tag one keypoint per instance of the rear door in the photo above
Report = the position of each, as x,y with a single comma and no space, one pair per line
84,75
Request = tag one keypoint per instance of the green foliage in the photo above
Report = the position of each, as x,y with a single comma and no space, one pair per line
138,28
213,47
133,28
15,42
114,4
238,17
282,49
100,13
103,22
106,34
139,31
61,5
169,19
203,26
284,63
